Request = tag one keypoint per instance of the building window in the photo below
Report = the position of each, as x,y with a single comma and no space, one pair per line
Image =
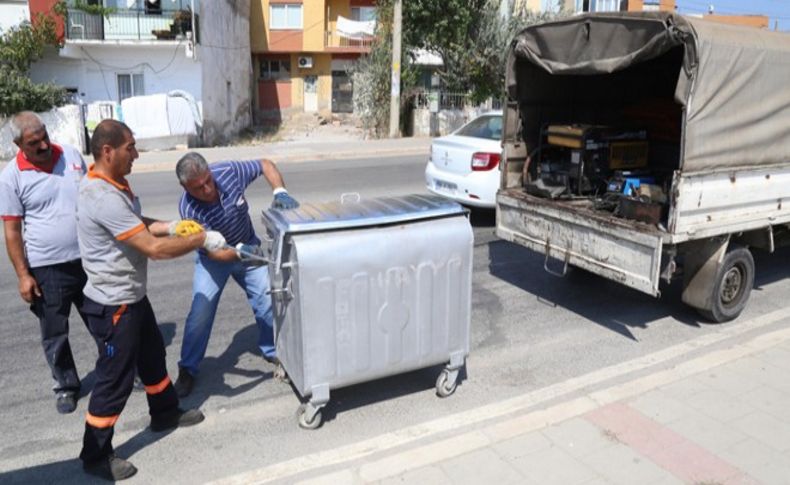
605,5
363,14
598,6
275,69
286,16
130,85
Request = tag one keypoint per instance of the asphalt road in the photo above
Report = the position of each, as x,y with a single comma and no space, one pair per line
529,330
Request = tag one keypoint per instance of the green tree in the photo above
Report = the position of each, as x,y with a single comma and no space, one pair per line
471,36
20,47
373,75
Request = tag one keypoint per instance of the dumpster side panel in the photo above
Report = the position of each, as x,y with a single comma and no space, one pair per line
287,315
380,301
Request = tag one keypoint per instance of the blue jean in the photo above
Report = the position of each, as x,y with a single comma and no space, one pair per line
208,283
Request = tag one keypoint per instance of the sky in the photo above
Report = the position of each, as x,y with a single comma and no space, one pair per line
777,10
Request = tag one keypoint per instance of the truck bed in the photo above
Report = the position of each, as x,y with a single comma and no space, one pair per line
575,233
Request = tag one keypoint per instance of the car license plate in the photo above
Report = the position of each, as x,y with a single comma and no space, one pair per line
442,185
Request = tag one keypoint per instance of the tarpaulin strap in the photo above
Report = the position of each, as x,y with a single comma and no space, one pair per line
101,421
117,315
157,388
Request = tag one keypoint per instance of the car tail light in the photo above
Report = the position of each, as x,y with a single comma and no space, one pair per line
484,161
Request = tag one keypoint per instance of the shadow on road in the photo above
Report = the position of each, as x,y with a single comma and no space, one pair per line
68,471
211,379
606,302
595,298
349,398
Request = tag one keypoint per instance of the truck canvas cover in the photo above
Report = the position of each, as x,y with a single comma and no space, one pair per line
733,83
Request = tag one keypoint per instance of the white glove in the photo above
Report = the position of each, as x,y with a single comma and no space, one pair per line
214,241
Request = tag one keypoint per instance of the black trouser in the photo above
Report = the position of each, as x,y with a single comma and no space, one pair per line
129,343
61,286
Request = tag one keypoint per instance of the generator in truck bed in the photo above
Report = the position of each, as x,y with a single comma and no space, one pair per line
639,144
580,159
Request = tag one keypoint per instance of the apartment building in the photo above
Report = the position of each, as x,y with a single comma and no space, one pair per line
302,51
135,48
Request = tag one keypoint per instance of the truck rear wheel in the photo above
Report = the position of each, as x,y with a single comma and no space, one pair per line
732,285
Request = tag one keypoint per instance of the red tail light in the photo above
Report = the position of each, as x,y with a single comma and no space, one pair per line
484,161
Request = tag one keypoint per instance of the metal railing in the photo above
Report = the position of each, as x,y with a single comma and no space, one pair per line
131,24
422,100
334,39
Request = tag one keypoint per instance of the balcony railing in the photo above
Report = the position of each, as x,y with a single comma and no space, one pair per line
131,24
333,39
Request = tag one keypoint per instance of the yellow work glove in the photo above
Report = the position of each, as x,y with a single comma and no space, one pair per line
185,227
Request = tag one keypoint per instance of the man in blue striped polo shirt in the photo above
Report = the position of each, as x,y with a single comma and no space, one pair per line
214,197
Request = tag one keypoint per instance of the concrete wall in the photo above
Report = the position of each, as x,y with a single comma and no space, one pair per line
63,126
93,69
445,121
224,53
13,13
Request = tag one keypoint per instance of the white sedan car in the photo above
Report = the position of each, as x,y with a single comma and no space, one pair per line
464,165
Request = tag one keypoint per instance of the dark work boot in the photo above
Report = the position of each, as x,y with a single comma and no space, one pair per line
110,468
66,402
184,383
176,419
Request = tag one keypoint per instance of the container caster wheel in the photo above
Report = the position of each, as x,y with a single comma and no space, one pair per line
305,421
445,386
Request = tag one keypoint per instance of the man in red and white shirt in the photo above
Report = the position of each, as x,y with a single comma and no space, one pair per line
38,205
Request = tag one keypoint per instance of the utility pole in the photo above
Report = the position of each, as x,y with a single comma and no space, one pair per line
395,91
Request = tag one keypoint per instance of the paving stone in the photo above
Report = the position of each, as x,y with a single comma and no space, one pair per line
481,466
426,475
668,480
770,400
765,428
720,405
346,477
522,445
778,356
578,437
730,378
661,445
596,481
620,464
659,407
685,388
707,432
759,461
552,465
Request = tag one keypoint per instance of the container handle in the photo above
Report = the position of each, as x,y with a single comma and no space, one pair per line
346,198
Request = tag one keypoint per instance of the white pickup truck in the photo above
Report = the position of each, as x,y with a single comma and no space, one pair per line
646,146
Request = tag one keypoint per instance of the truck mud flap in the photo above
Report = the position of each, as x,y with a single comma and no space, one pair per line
610,249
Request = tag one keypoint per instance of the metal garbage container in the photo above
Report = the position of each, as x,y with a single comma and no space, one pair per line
364,289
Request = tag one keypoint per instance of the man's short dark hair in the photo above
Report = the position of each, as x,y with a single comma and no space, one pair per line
108,132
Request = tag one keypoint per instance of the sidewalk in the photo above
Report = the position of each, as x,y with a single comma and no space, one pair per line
289,151
285,152
721,418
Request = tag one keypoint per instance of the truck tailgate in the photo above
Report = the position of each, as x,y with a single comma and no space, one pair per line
624,251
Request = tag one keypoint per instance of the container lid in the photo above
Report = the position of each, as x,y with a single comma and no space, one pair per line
351,212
